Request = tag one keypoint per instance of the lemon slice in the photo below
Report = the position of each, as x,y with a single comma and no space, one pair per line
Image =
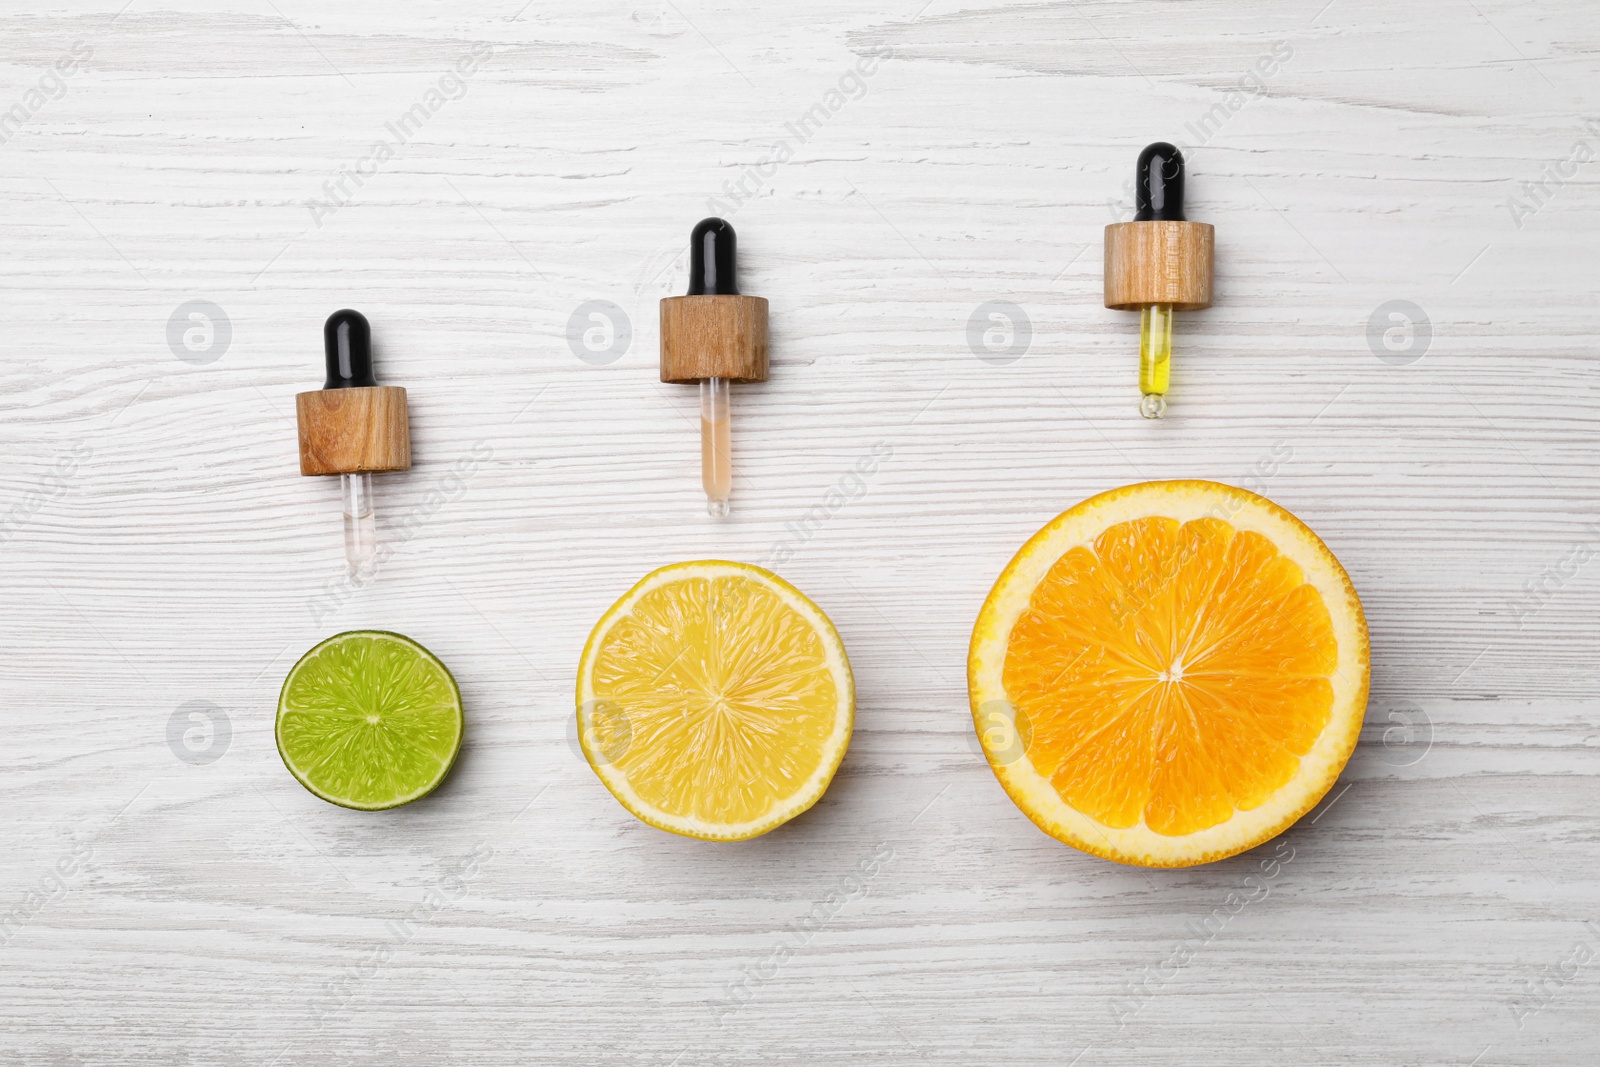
1170,673
715,700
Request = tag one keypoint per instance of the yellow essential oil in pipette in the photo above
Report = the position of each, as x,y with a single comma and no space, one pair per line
1155,358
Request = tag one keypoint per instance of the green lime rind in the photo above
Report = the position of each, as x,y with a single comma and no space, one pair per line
369,720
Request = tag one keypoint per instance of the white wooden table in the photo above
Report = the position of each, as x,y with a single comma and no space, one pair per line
172,896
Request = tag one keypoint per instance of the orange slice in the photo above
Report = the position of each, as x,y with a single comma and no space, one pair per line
1169,673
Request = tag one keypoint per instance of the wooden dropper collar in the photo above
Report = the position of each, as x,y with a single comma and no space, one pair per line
352,425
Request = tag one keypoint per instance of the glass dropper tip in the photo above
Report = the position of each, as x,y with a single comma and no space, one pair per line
1155,358
360,522
716,445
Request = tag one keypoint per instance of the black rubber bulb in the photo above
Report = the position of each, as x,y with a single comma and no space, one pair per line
347,341
711,259
1158,189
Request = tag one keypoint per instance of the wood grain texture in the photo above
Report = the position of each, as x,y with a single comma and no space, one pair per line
1159,263
921,192
714,336
354,429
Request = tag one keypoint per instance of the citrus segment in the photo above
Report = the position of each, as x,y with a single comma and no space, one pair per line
715,700
1191,662
369,720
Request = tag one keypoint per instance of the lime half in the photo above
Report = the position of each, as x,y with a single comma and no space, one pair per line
369,720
